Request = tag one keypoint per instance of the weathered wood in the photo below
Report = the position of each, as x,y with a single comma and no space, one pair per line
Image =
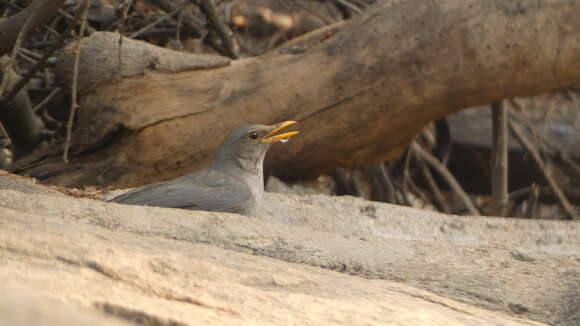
105,58
546,168
37,14
360,96
499,159
23,127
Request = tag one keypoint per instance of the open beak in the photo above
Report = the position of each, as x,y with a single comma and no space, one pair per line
273,137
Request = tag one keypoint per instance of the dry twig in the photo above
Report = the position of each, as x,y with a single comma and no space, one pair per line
188,19
439,201
349,5
380,182
449,178
41,62
83,7
23,127
406,178
46,99
545,168
34,15
223,31
125,5
159,20
499,159
532,202
389,187
5,92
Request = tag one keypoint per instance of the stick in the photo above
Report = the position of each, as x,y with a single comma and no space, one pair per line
46,99
74,103
40,63
532,201
11,64
447,176
390,188
223,31
158,21
499,159
349,5
404,189
74,19
188,19
381,185
439,198
545,168
419,194
125,5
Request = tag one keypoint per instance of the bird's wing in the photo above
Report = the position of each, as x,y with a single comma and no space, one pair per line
208,190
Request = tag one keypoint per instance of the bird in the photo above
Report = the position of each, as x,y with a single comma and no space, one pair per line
232,182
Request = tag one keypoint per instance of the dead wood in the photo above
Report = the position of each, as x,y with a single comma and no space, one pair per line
447,176
551,117
223,31
381,184
83,9
24,128
499,159
38,13
100,61
438,198
532,201
190,20
546,167
360,96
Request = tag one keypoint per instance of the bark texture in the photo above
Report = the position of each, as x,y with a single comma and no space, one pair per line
360,96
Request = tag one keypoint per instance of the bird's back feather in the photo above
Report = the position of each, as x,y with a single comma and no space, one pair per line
208,189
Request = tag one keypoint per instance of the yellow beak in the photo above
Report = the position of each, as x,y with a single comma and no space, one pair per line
272,137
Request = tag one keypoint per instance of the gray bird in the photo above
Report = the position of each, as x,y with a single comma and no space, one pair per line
233,182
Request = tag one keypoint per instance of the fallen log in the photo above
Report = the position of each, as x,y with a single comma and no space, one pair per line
95,252
361,95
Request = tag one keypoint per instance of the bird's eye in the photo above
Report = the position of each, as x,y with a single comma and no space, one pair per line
253,135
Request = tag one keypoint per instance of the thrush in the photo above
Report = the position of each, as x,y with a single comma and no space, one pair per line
232,182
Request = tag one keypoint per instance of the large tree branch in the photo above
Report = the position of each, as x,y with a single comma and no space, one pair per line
360,97
24,128
38,14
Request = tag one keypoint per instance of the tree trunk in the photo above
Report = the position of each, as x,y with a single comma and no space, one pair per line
361,95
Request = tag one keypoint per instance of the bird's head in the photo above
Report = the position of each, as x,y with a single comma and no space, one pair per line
247,145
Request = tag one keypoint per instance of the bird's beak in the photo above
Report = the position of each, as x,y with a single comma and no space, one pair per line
272,137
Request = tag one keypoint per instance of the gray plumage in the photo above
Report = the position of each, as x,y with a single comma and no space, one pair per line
233,181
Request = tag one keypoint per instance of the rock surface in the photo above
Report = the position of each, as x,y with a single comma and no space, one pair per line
94,263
